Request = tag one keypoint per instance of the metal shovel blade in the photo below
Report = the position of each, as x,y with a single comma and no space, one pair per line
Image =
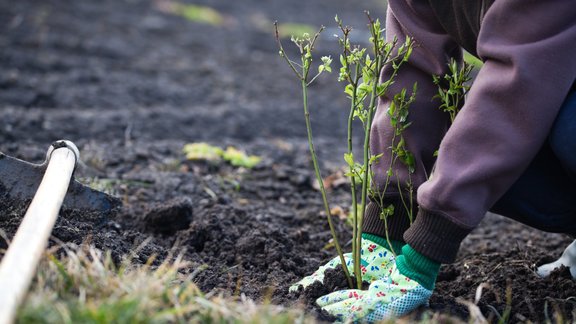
19,181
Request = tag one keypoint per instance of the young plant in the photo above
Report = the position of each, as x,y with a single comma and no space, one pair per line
453,87
398,114
361,72
305,45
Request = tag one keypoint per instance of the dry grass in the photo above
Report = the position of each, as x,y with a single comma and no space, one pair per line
86,286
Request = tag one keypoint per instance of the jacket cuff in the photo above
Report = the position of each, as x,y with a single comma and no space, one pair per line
396,224
435,236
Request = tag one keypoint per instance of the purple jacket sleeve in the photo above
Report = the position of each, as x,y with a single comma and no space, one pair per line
529,50
433,48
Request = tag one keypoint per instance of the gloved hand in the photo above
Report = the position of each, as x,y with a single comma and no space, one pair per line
393,296
376,263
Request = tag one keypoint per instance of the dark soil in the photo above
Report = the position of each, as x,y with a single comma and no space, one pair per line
130,84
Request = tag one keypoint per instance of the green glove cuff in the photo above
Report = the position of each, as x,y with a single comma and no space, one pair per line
418,267
396,247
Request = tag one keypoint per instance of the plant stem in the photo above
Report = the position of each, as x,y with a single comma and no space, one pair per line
368,127
306,46
320,181
365,181
355,248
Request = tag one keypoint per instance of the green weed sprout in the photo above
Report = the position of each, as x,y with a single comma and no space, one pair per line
360,69
232,155
305,45
202,151
239,158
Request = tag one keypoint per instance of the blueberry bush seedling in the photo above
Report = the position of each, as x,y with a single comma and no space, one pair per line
302,70
360,70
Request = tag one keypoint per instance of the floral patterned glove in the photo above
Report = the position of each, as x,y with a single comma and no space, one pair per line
376,263
394,296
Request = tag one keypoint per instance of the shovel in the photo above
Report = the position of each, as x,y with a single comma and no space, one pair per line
49,184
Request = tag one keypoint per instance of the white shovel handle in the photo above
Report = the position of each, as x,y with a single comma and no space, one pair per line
20,261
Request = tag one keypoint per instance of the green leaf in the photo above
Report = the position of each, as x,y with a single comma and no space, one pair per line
202,151
349,90
239,158
206,152
387,212
389,173
326,61
380,88
375,158
364,88
349,158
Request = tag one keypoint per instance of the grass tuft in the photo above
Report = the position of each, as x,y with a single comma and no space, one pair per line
86,286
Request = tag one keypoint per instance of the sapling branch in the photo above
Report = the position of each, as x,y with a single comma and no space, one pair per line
453,87
373,70
361,73
349,59
306,46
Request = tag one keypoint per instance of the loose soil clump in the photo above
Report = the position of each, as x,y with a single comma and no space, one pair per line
131,83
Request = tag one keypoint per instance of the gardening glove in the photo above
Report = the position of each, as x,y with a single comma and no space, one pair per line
376,262
568,259
409,286
394,296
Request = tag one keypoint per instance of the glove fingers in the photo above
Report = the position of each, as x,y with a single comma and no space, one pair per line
318,275
349,308
400,306
375,261
338,296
